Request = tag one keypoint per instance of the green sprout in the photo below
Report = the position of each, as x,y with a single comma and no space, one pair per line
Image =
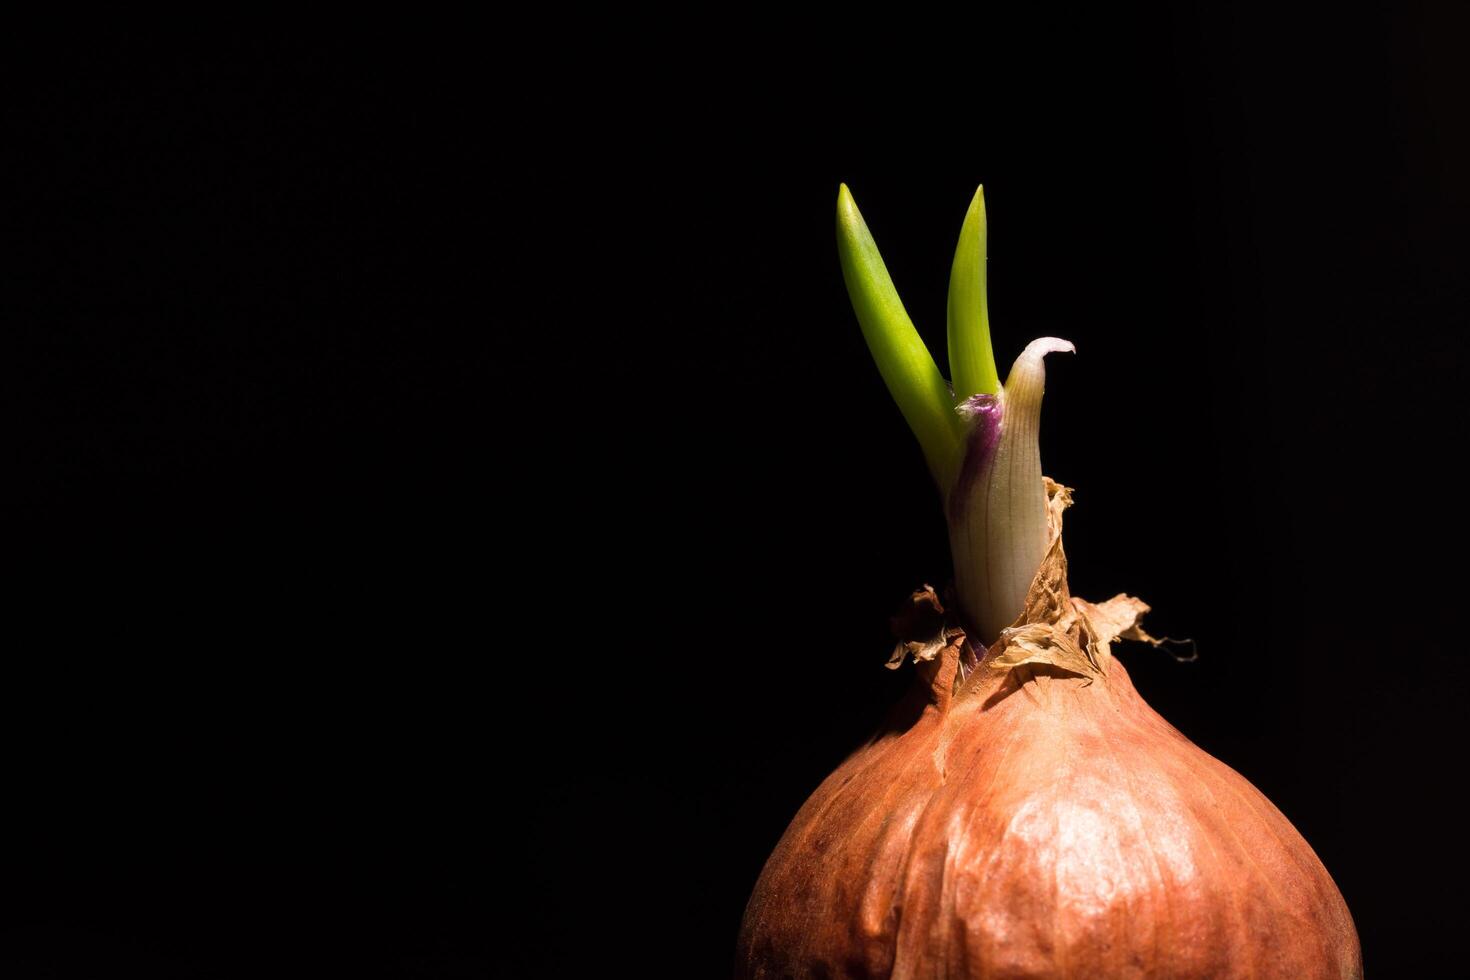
980,444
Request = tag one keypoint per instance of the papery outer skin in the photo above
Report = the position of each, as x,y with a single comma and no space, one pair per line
1039,825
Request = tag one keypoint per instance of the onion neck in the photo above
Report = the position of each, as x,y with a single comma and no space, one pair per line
996,506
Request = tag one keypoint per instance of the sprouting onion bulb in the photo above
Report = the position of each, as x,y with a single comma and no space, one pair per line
1024,812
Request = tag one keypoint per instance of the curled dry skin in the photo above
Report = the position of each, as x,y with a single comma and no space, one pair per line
1029,815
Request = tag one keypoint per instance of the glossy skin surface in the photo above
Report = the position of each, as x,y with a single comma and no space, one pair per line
1033,824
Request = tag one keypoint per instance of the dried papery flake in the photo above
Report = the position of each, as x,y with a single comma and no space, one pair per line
928,633
919,627
1056,628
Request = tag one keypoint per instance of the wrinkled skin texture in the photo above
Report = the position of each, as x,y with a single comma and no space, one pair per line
1035,823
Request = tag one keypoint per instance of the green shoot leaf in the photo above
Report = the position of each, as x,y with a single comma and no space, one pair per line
904,362
971,360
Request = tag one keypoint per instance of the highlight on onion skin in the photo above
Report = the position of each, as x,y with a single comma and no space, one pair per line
1024,813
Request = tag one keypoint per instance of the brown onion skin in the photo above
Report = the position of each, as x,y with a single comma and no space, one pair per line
1034,824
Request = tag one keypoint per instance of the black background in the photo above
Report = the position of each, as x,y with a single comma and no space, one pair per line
456,516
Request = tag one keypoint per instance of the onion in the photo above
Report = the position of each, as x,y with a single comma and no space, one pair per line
1024,813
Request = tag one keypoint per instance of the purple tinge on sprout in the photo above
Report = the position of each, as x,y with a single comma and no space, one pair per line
984,413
